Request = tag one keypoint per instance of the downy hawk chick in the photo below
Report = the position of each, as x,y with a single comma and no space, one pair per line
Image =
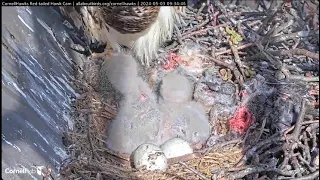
140,28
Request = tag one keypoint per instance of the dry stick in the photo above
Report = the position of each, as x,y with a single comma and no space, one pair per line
306,163
286,158
197,27
272,29
238,62
251,150
314,175
271,151
261,129
194,171
203,24
296,44
284,37
230,51
303,78
296,51
288,75
82,175
267,20
299,122
295,163
221,63
94,153
277,63
186,157
304,123
285,52
235,71
240,30
282,27
258,44
200,9
258,169
178,34
187,35
98,176
306,147
224,11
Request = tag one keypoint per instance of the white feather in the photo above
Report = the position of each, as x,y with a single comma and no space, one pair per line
146,47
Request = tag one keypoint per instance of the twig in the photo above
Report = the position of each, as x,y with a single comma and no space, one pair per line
296,51
296,44
284,37
238,62
187,35
224,11
282,27
306,163
288,75
257,42
299,122
304,123
98,176
203,24
178,34
295,163
194,171
261,128
267,20
258,169
306,147
230,51
82,175
314,175
235,71
251,150
186,157
271,151
200,9
197,27
221,63
94,153
268,56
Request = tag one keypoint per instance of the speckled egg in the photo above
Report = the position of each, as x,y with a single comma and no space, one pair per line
150,157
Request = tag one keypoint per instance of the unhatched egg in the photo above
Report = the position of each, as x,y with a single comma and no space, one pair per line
150,157
176,147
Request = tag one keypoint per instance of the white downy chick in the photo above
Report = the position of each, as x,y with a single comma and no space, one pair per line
185,119
188,121
122,72
138,121
176,88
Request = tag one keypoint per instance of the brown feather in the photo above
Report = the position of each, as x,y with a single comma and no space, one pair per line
130,19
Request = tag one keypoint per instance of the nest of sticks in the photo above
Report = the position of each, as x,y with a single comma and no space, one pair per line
281,44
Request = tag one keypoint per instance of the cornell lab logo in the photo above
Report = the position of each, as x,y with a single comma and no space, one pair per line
23,170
